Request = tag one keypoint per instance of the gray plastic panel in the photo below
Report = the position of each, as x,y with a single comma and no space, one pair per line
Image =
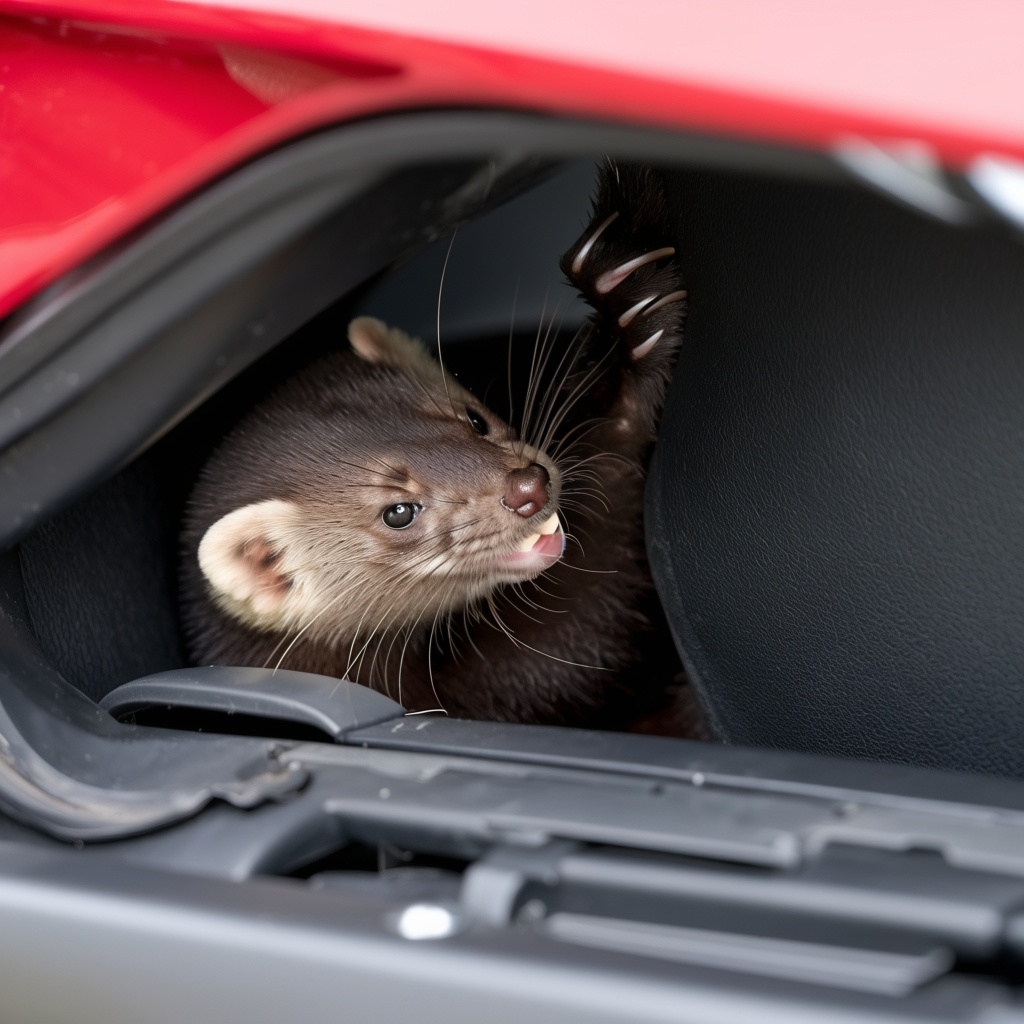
867,970
133,944
897,808
333,705
761,830
964,909
749,768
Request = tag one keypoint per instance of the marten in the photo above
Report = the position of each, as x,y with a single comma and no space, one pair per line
373,520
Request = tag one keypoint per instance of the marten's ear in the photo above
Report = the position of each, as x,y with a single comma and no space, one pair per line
243,557
375,342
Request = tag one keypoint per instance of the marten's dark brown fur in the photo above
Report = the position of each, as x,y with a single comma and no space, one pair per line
373,520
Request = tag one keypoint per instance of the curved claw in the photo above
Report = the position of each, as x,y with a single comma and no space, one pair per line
627,317
665,300
642,349
613,278
581,256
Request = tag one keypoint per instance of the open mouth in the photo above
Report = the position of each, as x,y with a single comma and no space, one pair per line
541,549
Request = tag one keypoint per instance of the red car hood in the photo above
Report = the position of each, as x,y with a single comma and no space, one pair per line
110,110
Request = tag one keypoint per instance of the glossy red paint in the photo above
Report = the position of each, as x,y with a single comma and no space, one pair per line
102,129
110,111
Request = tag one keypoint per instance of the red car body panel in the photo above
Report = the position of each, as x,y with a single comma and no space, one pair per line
110,110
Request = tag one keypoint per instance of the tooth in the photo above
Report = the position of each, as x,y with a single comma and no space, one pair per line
549,525
527,544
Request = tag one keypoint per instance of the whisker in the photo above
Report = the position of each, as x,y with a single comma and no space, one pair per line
573,398
544,654
511,334
547,347
327,607
532,380
440,289
430,664
562,372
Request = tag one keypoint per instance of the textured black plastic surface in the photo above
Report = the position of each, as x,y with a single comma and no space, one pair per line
100,582
834,511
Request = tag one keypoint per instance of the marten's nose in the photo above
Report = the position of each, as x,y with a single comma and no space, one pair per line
527,490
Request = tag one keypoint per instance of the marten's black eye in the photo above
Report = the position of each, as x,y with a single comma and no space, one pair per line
476,421
398,517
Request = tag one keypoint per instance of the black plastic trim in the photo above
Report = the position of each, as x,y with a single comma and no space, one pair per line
97,371
331,705
68,769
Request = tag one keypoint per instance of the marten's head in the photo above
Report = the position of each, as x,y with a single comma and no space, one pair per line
371,492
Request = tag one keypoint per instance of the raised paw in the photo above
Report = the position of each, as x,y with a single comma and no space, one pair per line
624,269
